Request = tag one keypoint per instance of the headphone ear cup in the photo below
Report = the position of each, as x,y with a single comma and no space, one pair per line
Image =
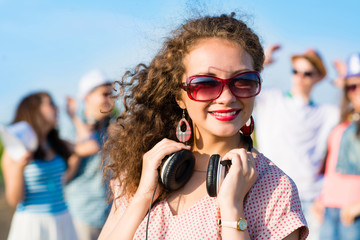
212,175
177,169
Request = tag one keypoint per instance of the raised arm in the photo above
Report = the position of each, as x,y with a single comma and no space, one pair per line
123,224
13,172
85,144
340,68
269,54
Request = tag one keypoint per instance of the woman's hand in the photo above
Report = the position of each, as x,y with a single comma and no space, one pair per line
125,225
21,163
269,52
340,68
71,107
237,183
240,178
151,162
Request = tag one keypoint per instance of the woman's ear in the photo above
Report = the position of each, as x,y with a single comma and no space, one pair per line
181,103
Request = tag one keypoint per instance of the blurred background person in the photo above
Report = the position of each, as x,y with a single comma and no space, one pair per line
341,191
34,184
86,193
292,129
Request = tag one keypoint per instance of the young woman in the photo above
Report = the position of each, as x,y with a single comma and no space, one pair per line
34,184
206,76
341,191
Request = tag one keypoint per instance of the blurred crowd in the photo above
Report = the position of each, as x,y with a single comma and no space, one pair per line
60,185
316,144
58,189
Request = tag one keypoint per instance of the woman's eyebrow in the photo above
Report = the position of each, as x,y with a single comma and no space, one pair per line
212,73
240,71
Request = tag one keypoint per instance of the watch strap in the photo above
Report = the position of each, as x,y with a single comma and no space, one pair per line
234,224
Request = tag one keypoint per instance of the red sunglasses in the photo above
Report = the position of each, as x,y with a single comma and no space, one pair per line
203,88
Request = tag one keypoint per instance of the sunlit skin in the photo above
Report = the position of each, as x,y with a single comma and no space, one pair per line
354,95
302,85
99,102
220,119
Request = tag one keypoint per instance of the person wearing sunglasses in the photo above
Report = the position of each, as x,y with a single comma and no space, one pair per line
341,191
292,129
197,95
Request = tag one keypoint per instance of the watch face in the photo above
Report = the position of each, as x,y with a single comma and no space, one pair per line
242,224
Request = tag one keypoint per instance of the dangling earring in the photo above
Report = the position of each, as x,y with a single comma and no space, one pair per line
183,136
248,128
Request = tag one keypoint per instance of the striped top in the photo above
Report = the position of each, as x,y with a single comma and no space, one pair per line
86,193
44,185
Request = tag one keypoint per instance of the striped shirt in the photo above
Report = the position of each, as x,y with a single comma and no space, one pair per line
86,193
44,187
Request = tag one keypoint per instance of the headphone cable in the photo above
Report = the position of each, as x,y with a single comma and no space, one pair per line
148,220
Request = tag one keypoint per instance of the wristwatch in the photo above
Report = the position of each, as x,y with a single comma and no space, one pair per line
240,224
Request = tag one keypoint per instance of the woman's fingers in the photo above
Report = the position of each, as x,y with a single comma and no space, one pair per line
252,164
151,162
241,160
161,149
241,176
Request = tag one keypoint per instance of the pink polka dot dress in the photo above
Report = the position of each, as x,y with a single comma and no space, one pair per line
272,209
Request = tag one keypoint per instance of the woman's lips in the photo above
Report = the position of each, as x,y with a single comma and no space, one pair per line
225,115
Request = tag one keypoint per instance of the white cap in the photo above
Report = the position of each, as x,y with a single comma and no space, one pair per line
353,66
18,138
90,81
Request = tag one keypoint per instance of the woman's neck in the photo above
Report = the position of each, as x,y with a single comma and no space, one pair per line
204,147
220,146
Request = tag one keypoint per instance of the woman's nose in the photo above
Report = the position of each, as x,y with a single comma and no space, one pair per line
226,95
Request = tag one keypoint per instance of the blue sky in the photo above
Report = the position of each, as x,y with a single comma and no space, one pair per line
49,45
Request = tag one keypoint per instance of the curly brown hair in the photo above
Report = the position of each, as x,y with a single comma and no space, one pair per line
150,93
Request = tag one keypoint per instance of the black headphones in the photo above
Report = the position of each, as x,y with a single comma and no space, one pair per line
177,169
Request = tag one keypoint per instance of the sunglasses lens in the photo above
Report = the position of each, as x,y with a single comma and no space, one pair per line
351,88
305,74
308,74
204,88
246,85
